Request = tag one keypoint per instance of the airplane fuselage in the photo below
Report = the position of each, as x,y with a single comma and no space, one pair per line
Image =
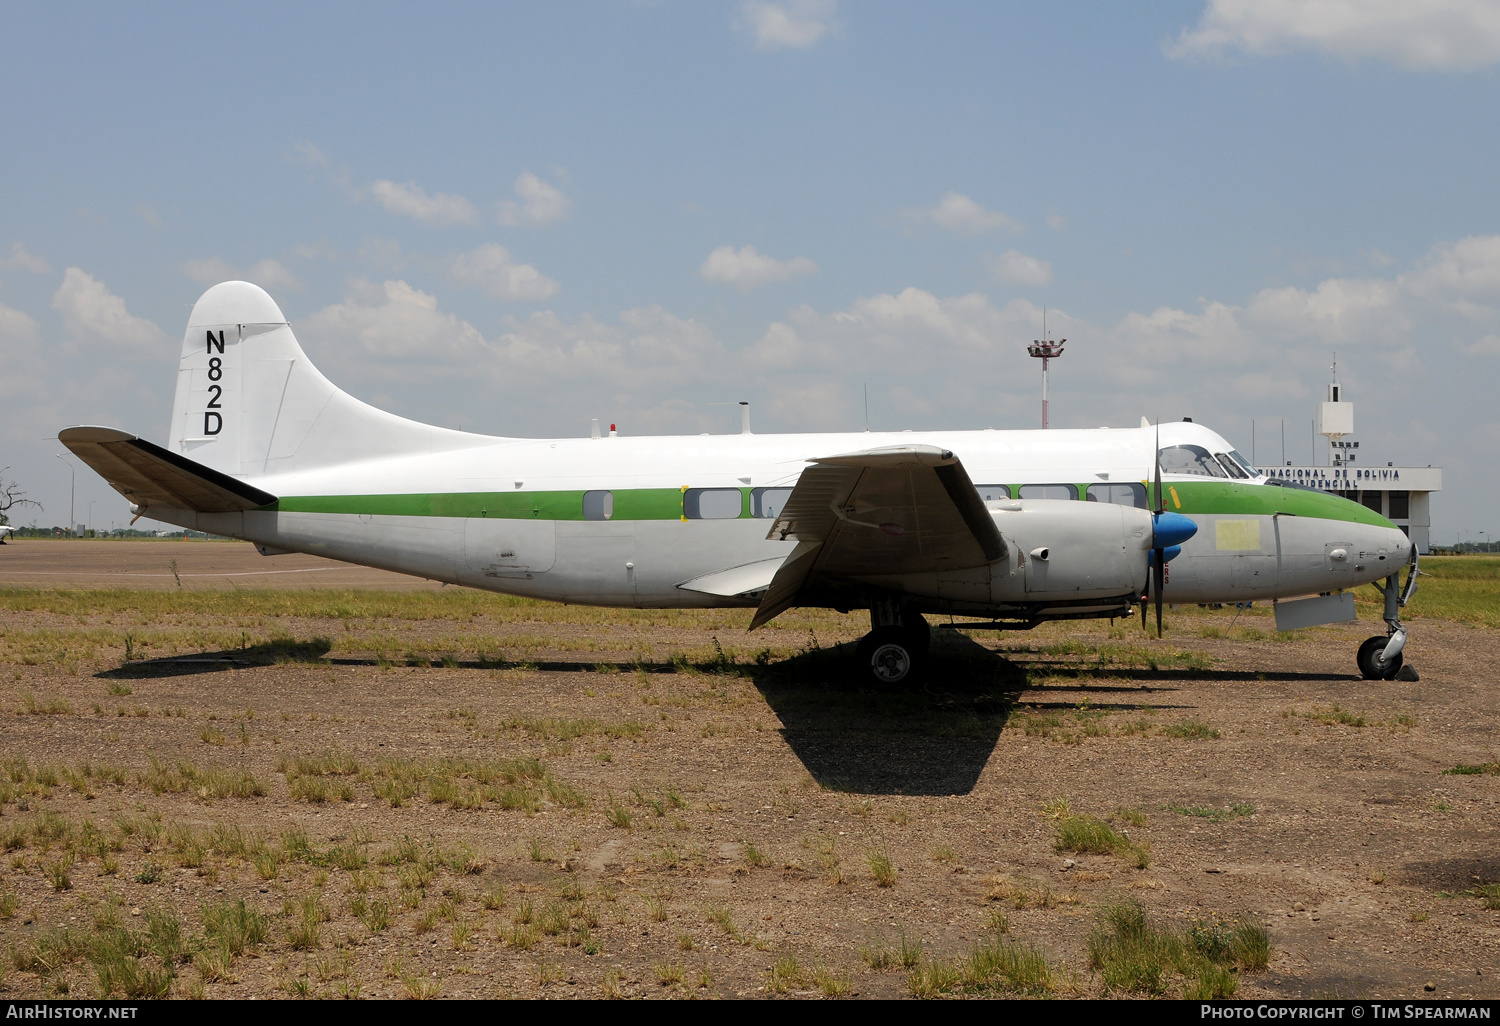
624,521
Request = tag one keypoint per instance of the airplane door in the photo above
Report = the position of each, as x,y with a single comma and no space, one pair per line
510,548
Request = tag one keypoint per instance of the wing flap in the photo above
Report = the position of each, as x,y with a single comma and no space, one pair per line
788,583
149,475
736,581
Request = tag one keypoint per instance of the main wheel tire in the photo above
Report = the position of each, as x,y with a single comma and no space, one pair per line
888,656
919,632
1369,660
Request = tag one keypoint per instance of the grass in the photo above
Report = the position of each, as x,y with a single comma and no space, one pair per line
1191,731
208,783
1222,814
1461,588
234,926
1090,836
1135,957
1474,769
881,867
991,966
1489,894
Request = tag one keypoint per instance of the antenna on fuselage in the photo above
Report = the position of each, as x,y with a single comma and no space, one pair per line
744,417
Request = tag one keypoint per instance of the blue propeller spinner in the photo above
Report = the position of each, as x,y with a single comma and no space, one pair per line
1168,532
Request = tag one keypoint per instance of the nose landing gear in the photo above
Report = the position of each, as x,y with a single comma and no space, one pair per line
1379,657
895,649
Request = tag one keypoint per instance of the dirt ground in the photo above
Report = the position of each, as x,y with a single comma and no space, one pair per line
701,827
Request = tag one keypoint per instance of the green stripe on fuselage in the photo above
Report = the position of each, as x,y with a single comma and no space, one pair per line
1217,497
1204,497
630,504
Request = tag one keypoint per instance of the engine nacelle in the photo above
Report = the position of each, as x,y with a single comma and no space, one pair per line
1094,550
1058,551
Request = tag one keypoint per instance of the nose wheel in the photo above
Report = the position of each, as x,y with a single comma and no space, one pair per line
1372,665
1381,658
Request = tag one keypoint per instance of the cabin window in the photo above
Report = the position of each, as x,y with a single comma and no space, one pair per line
1235,455
1235,470
993,493
768,502
1400,506
598,505
1373,500
1190,459
1119,494
712,503
1049,491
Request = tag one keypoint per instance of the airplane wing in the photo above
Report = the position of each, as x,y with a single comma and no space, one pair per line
149,475
898,510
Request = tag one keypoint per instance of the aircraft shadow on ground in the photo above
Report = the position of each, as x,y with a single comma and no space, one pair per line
271,653
933,738
1457,875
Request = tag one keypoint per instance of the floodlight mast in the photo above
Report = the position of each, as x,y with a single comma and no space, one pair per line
1045,350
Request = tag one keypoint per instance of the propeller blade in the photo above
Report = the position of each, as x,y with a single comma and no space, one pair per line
1159,563
1160,582
1160,505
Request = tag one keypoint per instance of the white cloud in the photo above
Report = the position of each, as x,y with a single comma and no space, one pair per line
795,24
21,354
746,267
540,203
958,213
650,352
492,269
271,275
394,321
306,153
1019,269
384,254
90,312
1056,222
411,200
1433,35
21,259
390,339
903,330
1487,346
208,270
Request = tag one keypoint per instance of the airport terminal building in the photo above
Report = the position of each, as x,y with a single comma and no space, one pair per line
1400,494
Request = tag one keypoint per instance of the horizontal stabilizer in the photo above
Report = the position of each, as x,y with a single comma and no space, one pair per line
149,475
749,579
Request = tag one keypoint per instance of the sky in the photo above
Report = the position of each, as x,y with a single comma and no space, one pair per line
515,218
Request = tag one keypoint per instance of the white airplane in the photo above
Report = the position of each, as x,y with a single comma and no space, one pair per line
1061,524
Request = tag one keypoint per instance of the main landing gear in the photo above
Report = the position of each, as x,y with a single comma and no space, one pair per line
1380,657
895,649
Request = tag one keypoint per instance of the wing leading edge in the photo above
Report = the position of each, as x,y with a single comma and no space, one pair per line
149,475
898,510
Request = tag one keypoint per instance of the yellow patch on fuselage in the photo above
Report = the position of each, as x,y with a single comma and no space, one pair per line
1237,535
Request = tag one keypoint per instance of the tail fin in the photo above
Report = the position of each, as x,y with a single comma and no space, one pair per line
250,403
